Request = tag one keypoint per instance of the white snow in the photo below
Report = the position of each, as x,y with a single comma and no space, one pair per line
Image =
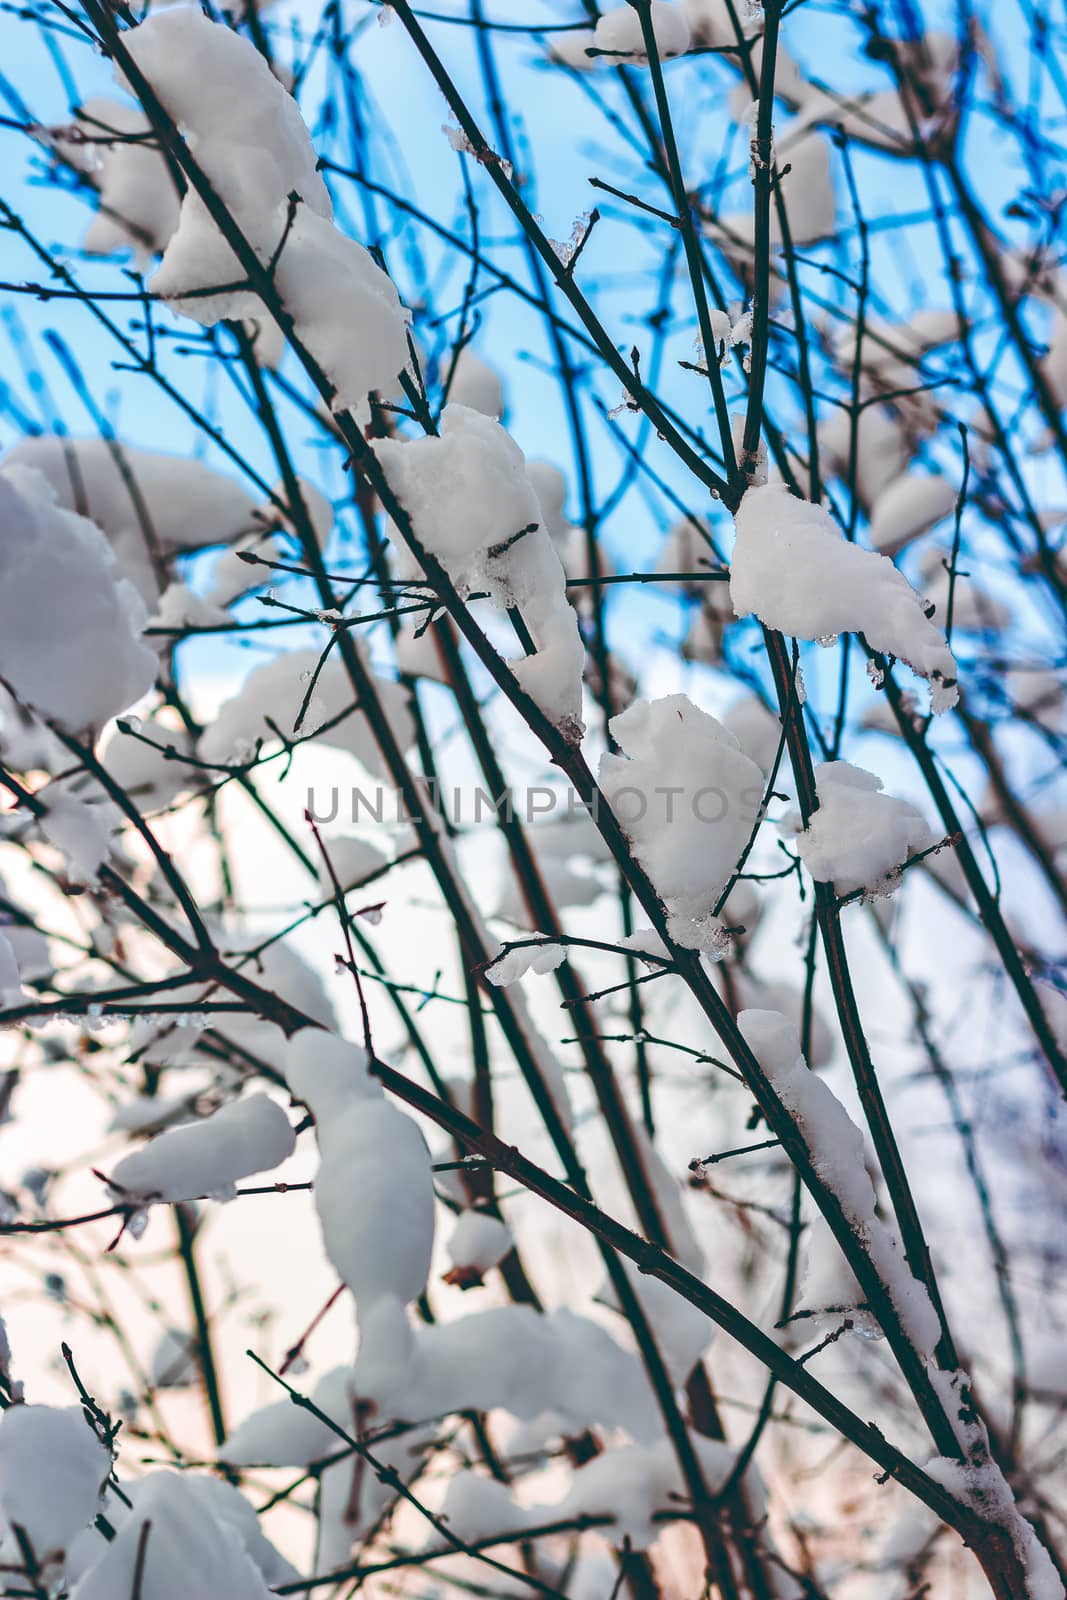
682,1332
979,1483
632,1483
687,797
907,507
759,733
528,1363
148,776
478,1242
374,1187
572,49
881,450
138,200
179,608
149,504
283,1435
480,1507
80,823
859,837
52,1472
836,1149
476,384
712,23
347,311
69,623
255,151
187,1551
619,31
276,691
206,1158
470,500
539,958
793,568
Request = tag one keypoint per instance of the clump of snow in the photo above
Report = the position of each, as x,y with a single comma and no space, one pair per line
881,450
277,967
688,547
515,964
477,1243
726,333
682,1332
228,1507
476,384
907,507
206,1159
757,729
687,798
283,1435
253,145
550,487
53,1468
346,310
526,1363
836,1150
374,1187
572,49
69,623
151,505
631,1483
712,21
179,608
79,822
979,1483
256,152
860,837
188,1550
473,507
807,192
619,32
793,568
508,1358
480,1507
113,144
274,694
144,770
